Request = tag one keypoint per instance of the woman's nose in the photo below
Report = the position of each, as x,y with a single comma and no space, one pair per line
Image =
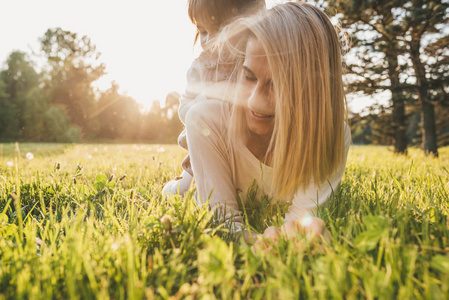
258,98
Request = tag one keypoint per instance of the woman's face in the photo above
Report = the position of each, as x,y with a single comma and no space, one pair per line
256,90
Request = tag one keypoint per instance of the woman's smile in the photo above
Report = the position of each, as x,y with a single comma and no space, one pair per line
260,116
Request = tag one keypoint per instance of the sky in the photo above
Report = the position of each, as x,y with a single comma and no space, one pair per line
147,46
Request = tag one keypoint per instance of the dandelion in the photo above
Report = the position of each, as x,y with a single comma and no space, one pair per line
10,164
29,156
39,241
166,220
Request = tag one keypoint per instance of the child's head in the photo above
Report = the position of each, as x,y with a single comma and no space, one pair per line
210,16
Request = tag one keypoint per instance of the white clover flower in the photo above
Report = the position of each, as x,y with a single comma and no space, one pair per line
114,246
10,164
29,156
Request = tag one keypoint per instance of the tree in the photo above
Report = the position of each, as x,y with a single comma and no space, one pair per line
423,18
72,68
173,126
25,113
116,116
394,38
374,62
8,121
19,79
153,123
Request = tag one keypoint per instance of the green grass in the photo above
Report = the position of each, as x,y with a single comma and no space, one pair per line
71,230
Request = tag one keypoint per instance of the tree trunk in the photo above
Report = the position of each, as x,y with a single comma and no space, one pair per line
400,135
399,118
429,143
429,134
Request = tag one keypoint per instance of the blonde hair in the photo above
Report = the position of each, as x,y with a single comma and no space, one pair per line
220,12
307,144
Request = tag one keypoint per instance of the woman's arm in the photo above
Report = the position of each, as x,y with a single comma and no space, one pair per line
206,125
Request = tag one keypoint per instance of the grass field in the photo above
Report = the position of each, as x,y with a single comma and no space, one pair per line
69,229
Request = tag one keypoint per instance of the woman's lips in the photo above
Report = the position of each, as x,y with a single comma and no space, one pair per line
260,116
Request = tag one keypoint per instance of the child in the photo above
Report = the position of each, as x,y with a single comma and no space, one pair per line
207,76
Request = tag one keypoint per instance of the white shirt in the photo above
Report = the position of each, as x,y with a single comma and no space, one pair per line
223,171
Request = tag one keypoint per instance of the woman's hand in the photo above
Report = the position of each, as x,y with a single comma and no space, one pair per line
311,229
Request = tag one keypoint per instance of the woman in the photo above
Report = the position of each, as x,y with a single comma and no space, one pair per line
286,128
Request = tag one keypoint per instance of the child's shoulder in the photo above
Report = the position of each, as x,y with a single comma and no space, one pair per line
206,60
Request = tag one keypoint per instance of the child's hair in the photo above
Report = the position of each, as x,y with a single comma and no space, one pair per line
220,12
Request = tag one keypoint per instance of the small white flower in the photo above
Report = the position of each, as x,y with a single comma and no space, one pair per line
29,156
10,164
89,156
161,149
95,149
114,246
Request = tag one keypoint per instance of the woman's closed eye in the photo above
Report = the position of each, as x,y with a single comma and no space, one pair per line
249,76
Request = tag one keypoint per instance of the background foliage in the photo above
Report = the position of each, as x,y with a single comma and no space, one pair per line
396,47
59,104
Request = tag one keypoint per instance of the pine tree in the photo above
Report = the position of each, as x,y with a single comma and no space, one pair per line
392,51
374,63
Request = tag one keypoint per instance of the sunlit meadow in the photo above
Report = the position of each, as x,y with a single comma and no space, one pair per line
89,221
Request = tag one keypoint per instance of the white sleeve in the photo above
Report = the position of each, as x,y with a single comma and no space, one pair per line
306,201
193,89
206,125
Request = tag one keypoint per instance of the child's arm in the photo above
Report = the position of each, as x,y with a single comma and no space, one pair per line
219,91
193,89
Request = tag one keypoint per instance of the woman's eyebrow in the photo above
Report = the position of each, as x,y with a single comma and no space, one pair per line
248,70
